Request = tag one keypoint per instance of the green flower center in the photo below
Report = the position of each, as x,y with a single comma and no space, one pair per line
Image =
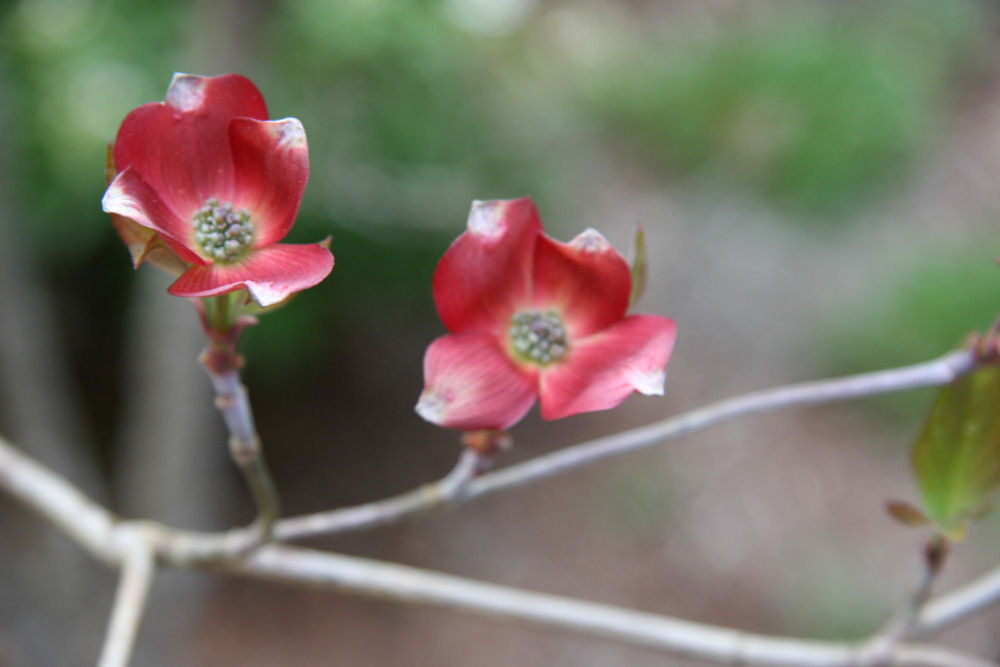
538,336
223,233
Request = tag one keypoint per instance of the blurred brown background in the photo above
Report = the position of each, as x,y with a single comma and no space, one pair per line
820,185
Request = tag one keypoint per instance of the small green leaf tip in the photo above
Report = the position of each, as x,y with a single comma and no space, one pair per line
956,459
640,267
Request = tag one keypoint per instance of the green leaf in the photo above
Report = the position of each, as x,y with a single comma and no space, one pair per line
640,268
956,459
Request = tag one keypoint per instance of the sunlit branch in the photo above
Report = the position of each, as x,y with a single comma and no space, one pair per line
931,373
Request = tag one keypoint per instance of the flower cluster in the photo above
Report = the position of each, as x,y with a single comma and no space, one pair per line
205,176
531,317
205,186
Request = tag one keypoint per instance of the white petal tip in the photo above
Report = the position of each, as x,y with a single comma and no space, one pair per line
650,383
264,293
591,240
431,406
291,134
116,200
186,92
486,218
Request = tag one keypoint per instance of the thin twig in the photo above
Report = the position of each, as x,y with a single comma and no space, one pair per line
453,484
903,623
137,568
450,489
442,493
931,373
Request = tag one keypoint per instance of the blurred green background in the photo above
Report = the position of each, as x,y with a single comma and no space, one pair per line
818,182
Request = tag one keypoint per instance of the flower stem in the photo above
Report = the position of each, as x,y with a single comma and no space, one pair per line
223,364
221,312
264,492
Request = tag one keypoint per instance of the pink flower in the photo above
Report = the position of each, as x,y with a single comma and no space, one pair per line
218,184
532,317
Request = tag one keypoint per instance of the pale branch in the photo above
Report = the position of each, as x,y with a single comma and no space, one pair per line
470,464
58,501
927,374
137,570
192,546
289,564
97,530
947,610
459,486
449,489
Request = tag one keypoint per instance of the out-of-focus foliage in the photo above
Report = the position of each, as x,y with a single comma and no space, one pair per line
824,600
817,110
71,70
380,279
414,108
410,116
956,459
926,308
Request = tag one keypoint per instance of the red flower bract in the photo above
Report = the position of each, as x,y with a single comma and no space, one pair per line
532,317
220,185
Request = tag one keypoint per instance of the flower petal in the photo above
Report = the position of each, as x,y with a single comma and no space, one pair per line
135,237
602,370
181,145
270,274
470,384
586,280
145,245
131,197
486,273
271,162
